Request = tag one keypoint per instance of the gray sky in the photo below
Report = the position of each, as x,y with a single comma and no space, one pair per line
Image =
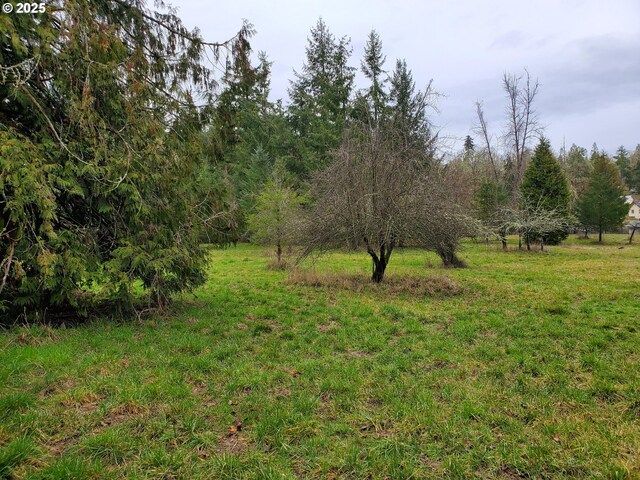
585,53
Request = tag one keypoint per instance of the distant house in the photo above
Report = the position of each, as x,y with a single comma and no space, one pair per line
633,201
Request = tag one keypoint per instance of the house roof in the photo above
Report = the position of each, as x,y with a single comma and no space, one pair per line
632,199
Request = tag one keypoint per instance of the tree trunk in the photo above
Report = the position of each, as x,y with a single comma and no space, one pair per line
279,254
526,239
542,245
631,237
378,272
450,259
600,235
503,238
519,242
380,261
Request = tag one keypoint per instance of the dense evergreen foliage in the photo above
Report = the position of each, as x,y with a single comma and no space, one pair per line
602,205
104,177
319,97
577,168
372,66
545,186
623,163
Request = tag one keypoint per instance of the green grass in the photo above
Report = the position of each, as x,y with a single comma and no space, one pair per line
531,370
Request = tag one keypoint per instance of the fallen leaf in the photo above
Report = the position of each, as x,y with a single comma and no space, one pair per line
233,429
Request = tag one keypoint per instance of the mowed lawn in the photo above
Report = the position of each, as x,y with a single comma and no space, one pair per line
529,369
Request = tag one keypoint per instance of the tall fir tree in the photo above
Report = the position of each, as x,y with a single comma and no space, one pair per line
469,145
602,205
247,134
545,186
577,168
634,175
408,109
245,94
623,163
372,66
319,98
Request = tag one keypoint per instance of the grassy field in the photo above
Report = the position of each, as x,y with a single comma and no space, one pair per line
528,366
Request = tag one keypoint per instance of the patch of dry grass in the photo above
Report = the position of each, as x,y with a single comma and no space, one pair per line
422,286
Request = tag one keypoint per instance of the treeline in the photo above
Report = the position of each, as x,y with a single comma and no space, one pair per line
587,189
122,152
338,167
513,183
250,134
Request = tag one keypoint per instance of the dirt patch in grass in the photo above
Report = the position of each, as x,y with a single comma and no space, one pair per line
420,286
119,414
432,464
358,354
87,402
232,444
61,386
198,389
235,442
281,392
124,412
327,327
59,446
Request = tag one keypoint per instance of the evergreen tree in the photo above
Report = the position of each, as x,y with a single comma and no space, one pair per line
634,174
469,146
602,205
101,155
577,168
634,160
545,186
408,109
372,66
320,99
490,198
624,165
248,132
276,212
243,98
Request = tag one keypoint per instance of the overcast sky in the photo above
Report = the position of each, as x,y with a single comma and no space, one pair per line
585,53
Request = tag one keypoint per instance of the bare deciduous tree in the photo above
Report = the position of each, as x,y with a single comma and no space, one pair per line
532,224
521,126
522,119
483,130
378,193
440,227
